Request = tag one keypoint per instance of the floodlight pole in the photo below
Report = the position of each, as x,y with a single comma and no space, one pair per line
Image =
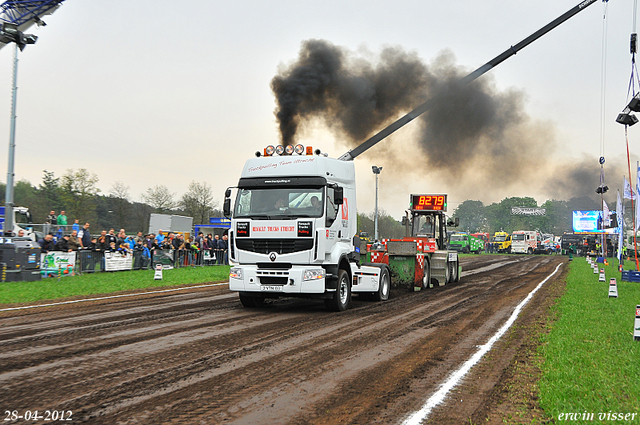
8,203
376,171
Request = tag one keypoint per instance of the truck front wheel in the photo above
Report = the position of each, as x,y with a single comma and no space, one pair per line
340,299
385,286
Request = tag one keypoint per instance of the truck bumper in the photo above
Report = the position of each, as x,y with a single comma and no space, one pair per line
277,281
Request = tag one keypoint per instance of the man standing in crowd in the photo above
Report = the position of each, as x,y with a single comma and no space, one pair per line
46,243
74,243
177,242
63,244
101,242
111,237
50,220
160,237
84,236
76,225
215,246
62,219
122,235
139,238
222,250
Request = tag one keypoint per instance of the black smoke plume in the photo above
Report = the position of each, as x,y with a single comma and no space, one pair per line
475,136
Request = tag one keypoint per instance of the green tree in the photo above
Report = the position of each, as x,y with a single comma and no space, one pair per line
500,217
558,218
121,207
472,216
50,192
78,194
198,202
160,198
388,227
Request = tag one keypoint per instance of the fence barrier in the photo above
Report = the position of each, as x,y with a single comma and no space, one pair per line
87,261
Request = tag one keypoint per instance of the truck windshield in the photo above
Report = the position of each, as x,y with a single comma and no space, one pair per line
455,238
424,225
274,204
518,237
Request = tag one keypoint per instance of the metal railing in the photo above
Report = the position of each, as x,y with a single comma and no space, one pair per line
88,261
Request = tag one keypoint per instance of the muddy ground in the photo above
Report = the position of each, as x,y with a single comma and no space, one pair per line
197,356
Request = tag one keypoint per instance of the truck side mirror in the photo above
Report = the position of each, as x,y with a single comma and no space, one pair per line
338,195
226,209
405,220
227,193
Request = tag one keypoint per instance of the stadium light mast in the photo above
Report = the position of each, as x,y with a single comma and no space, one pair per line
15,17
376,171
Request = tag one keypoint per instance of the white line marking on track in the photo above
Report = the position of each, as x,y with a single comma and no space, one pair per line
453,380
111,296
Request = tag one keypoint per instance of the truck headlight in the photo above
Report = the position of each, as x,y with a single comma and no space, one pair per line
313,274
235,273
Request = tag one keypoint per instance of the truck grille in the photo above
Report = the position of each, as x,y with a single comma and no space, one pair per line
279,246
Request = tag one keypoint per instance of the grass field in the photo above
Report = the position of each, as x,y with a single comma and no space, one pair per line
590,362
105,283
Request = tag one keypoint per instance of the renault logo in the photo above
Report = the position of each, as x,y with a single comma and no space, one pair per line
272,256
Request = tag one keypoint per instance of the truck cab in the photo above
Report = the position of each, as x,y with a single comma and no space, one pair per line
501,242
524,241
293,231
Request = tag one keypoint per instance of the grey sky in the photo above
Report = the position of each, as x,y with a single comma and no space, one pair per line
150,93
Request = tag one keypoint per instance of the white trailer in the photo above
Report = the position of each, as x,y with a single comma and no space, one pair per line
170,223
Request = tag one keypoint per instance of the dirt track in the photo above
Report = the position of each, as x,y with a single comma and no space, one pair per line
197,356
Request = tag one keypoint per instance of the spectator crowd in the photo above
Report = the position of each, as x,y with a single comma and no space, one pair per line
191,250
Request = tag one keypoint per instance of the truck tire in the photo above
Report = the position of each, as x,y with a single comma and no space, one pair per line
529,251
340,299
452,271
466,250
250,301
426,279
385,286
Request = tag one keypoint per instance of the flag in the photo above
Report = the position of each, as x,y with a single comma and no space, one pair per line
637,209
606,219
620,229
628,193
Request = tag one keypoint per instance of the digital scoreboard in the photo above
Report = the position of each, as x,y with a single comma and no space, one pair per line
428,202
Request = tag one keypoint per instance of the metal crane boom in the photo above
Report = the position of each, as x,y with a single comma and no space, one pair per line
466,80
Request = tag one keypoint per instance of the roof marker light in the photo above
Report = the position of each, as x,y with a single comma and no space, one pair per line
288,149
269,150
299,149
279,149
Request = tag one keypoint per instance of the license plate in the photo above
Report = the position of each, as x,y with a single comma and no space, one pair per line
271,288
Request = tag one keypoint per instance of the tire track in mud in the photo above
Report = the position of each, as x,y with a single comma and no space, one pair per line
201,357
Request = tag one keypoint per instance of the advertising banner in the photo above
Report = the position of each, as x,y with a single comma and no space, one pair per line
54,260
114,261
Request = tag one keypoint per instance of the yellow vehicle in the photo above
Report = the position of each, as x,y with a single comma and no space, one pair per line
501,242
364,236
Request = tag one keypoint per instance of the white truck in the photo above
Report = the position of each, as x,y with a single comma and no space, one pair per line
22,220
524,241
294,232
